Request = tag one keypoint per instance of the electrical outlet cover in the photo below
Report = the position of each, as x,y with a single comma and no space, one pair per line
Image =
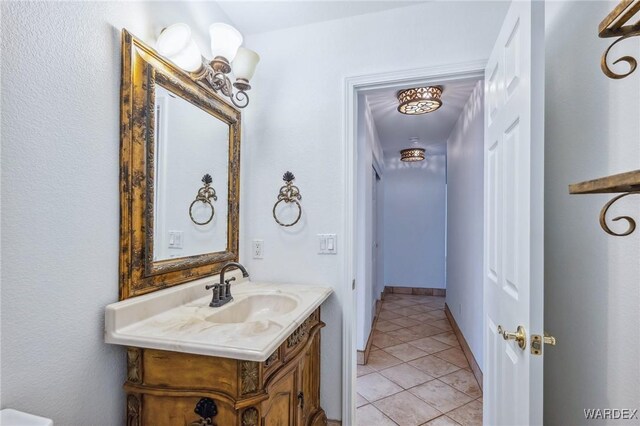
257,249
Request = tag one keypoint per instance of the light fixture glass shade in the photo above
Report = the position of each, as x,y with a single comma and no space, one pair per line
176,44
412,154
225,40
244,65
420,100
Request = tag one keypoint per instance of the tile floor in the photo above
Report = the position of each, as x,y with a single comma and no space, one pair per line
417,373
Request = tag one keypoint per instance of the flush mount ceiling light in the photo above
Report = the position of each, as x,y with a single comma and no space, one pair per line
420,100
176,43
413,154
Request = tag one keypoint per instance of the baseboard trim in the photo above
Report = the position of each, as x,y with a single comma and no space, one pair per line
392,289
363,356
334,423
475,368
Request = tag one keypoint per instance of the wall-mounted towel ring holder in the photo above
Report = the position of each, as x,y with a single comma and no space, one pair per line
289,193
205,194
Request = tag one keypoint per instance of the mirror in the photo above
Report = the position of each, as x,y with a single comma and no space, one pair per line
190,144
180,166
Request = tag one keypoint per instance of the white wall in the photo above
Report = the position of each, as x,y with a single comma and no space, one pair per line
464,220
369,154
295,121
592,294
414,218
60,218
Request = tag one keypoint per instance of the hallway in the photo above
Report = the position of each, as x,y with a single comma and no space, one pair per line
417,373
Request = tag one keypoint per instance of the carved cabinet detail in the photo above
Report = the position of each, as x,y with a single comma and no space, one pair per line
173,388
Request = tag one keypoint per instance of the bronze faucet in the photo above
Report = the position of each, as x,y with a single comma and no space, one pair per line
222,290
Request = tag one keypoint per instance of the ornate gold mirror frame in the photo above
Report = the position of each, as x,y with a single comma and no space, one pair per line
142,69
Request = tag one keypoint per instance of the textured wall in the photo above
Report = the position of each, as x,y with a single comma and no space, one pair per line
465,205
60,218
592,294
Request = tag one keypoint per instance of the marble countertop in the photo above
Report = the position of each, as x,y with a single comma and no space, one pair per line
179,319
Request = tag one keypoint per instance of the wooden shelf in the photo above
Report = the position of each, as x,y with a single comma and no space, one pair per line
623,182
620,21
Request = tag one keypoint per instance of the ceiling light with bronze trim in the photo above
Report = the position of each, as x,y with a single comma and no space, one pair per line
420,100
412,154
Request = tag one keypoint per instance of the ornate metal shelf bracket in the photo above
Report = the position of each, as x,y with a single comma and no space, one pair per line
617,24
630,221
623,184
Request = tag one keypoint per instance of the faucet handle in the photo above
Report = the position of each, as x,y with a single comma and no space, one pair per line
209,287
229,280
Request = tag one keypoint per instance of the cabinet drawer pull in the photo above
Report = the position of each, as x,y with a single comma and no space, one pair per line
301,400
206,408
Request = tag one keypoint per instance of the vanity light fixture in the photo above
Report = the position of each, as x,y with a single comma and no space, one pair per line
419,100
413,154
177,44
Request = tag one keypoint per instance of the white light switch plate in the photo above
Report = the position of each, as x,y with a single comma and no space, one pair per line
327,244
175,239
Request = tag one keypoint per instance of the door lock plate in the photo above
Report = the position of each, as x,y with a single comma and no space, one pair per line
536,344
538,341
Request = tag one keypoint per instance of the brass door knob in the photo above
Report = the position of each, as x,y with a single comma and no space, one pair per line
520,336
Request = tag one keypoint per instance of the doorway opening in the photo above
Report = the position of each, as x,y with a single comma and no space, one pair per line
411,365
512,309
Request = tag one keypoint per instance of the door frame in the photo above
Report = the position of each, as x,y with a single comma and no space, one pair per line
352,87
375,231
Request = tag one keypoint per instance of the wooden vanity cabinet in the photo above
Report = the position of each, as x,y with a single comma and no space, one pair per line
174,388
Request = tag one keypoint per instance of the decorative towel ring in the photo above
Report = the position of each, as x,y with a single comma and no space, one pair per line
289,193
205,194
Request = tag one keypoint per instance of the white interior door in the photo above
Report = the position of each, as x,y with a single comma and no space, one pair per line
513,199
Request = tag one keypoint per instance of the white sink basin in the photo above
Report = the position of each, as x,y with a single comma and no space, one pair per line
261,317
258,307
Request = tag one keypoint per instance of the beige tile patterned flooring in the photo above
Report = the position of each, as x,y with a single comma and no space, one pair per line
417,373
